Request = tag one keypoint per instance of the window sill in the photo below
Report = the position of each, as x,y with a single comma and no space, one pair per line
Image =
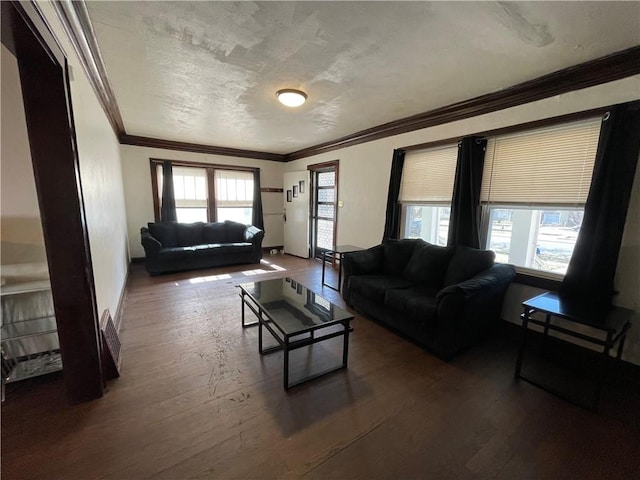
533,278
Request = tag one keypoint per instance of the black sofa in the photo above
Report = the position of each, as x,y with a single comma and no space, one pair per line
172,246
443,298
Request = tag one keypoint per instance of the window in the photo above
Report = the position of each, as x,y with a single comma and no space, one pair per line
190,191
534,188
234,195
425,193
205,192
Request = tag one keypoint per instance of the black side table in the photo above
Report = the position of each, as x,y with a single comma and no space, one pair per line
613,324
337,253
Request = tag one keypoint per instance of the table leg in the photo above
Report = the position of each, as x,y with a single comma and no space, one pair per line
260,335
242,305
286,364
525,327
340,255
345,346
324,264
603,372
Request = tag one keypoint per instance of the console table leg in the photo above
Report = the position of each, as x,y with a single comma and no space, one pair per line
525,328
324,263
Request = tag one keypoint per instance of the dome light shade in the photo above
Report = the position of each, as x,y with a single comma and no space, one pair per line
291,98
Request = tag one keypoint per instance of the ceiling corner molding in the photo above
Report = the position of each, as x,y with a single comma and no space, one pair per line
606,69
76,22
138,141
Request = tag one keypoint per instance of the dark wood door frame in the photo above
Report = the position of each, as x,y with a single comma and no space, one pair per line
320,167
47,102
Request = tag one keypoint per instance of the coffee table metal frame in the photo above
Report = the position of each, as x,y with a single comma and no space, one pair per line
286,343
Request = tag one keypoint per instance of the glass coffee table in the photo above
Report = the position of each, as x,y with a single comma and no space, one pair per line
296,317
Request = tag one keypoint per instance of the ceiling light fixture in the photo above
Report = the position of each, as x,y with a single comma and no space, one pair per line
290,97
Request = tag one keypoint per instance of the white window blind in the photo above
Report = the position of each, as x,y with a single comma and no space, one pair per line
234,188
428,175
550,166
190,187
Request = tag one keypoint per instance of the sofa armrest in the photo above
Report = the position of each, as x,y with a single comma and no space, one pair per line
361,262
468,310
150,244
255,236
493,280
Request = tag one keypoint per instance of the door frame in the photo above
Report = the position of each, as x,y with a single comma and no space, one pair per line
44,79
319,167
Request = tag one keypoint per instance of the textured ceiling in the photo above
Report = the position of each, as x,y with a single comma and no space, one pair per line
207,72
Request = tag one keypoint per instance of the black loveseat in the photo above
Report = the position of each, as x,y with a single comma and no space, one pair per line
171,246
443,298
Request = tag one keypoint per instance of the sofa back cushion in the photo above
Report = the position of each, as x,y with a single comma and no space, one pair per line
428,265
214,233
467,263
397,254
165,233
189,234
235,231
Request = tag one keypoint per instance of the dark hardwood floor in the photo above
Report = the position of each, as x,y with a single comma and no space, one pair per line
196,400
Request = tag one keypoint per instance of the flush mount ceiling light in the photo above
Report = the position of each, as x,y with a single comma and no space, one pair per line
291,98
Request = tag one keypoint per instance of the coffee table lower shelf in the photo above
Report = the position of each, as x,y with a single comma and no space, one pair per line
289,341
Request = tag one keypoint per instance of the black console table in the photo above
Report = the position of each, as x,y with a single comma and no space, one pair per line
612,323
336,253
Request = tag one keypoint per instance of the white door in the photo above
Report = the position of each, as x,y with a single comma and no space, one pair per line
296,213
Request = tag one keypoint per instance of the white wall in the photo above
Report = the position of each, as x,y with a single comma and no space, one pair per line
364,182
21,228
139,199
101,177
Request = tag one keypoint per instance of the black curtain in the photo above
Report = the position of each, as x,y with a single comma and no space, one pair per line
168,208
592,267
392,223
257,218
464,228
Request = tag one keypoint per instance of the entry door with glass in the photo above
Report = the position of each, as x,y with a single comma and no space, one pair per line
324,214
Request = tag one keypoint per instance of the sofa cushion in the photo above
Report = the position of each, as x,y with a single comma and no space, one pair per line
165,233
214,233
428,264
223,249
189,234
467,263
397,253
375,286
235,231
418,303
177,252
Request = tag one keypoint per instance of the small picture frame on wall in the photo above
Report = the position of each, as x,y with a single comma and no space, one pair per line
289,199
295,191
301,183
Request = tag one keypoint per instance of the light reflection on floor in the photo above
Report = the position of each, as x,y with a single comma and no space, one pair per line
258,271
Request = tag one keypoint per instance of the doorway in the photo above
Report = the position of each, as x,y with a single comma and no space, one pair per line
44,80
324,207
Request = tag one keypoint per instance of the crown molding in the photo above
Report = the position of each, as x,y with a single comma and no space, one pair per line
198,148
588,74
74,18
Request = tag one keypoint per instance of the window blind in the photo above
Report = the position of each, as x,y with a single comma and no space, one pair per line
551,166
234,188
428,175
190,187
